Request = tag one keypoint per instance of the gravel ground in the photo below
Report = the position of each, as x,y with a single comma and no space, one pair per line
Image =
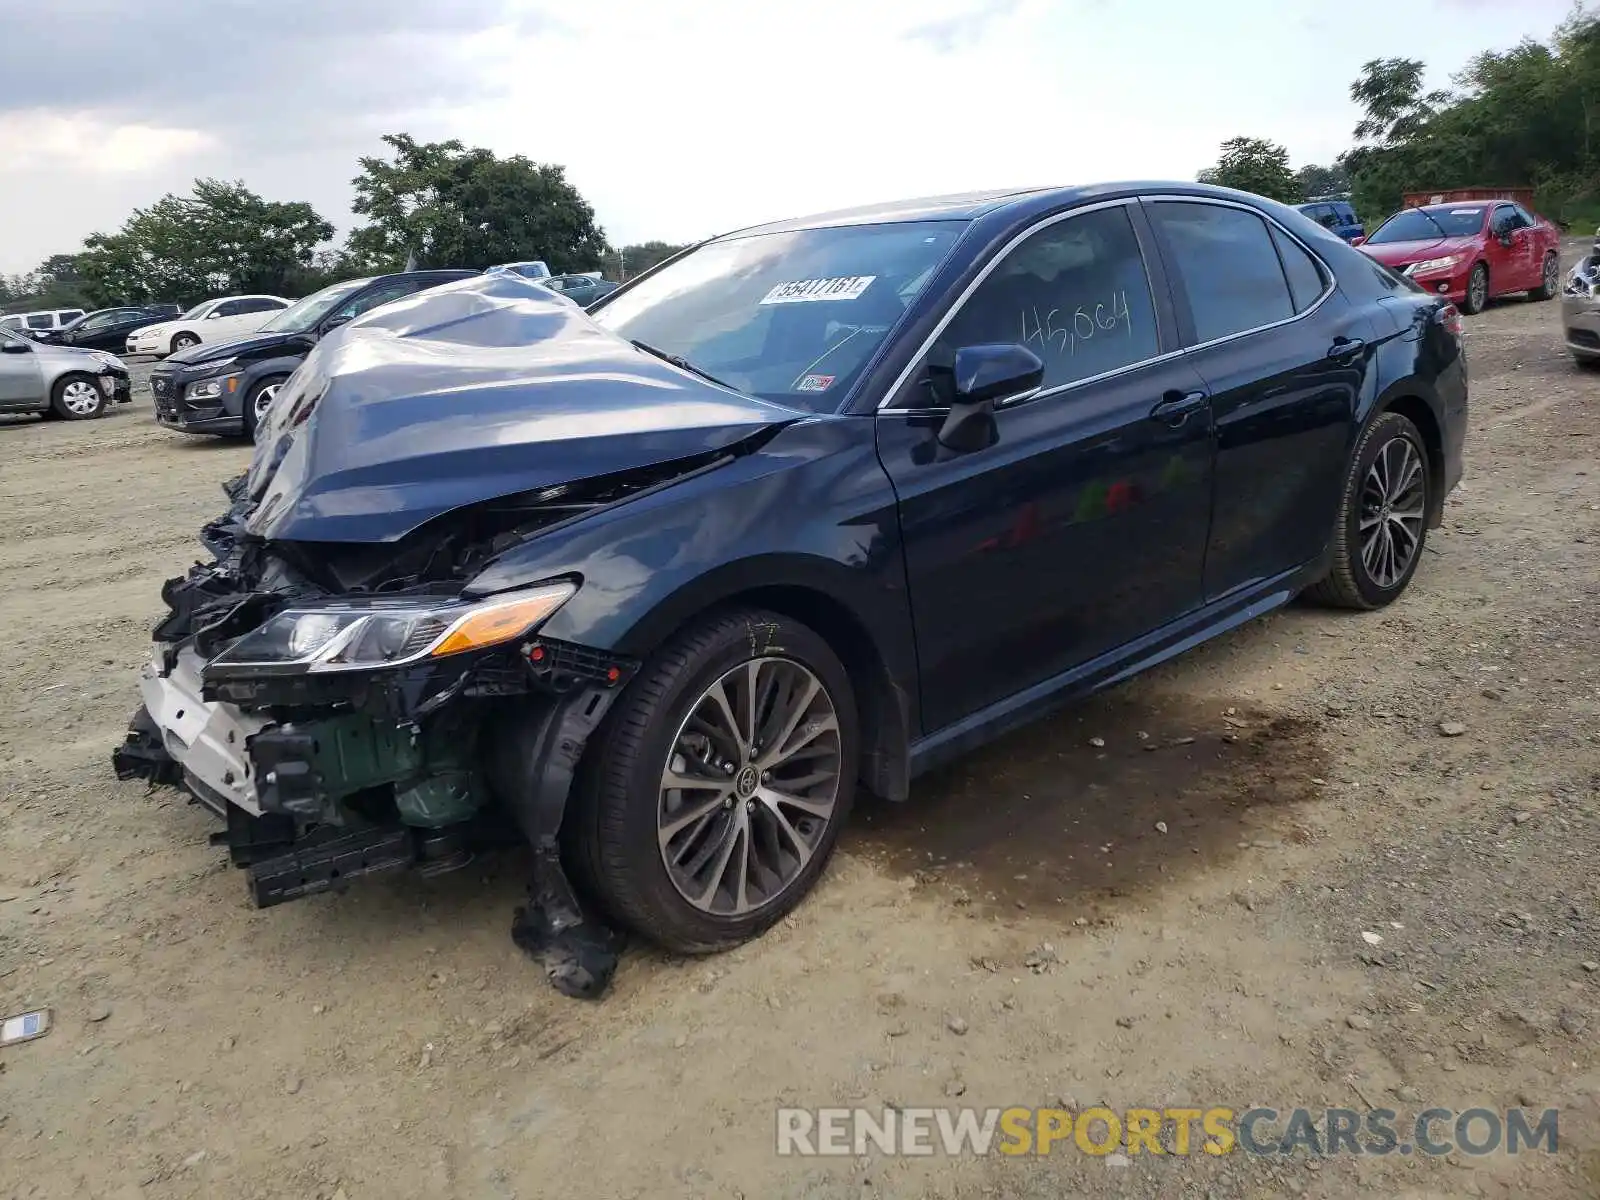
1050,921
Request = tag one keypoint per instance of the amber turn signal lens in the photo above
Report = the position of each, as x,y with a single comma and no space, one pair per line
500,621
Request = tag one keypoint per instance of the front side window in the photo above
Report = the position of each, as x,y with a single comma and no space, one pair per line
1075,293
1228,267
1508,218
380,295
791,317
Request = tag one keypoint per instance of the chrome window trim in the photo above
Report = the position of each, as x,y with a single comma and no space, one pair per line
1125,202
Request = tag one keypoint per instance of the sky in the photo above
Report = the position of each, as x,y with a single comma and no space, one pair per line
675,119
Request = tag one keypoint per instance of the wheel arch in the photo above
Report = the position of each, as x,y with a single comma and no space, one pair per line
883,703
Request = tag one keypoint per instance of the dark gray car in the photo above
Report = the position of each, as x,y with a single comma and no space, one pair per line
582,290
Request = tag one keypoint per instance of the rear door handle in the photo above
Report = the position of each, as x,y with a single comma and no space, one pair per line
1174,407
1344,349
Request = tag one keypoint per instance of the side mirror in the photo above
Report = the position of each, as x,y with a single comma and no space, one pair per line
1359,240
337,320
987,377
213,315
9,347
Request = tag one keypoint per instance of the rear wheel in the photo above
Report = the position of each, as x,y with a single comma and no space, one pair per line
184,341
1383,518
1477,291
722,780
77,398
1549,278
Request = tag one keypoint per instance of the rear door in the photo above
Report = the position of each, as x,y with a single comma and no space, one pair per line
1082,525
1284,356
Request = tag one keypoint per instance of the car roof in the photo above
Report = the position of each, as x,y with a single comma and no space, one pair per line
966,206
1460,204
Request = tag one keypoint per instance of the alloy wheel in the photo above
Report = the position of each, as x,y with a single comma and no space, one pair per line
263,400
80,398
1552,274
1479,287
749,787
1393,499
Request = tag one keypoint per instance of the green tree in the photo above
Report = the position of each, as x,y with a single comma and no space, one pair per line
60,268
628,261
1314,180
222,238
451,206
1254,165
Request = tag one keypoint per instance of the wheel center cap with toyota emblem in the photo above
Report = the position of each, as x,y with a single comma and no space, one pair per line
746,782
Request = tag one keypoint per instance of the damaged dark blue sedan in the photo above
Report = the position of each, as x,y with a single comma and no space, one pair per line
807,509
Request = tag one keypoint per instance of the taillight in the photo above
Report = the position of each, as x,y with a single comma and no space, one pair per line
1450,317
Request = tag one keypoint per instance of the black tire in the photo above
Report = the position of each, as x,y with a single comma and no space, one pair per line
1549,279
1477,297
1587,362
251,399
1349,584
610,832
184,341
62,401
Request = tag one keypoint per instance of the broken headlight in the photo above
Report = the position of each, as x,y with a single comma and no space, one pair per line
386,633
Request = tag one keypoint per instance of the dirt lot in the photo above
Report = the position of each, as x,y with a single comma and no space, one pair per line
1153,921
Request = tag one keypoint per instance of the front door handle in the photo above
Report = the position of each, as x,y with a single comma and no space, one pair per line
1174,407
1345,348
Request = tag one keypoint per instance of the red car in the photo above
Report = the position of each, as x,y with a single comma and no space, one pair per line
1471,251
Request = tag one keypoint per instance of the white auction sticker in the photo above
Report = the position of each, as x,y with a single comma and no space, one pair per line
801,291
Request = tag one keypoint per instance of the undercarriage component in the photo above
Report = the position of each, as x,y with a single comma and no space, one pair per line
536,755
325,865
142,755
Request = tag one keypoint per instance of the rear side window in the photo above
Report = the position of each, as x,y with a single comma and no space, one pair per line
1227,266
1075,293
38,320
259,305
1306,280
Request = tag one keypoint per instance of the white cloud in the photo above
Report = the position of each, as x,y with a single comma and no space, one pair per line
85,144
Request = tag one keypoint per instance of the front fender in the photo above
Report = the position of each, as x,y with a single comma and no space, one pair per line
811,510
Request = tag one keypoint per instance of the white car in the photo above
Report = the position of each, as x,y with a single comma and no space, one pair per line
41,322
218,320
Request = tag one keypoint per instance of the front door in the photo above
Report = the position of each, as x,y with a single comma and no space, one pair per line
1083,524
21,383
1283,354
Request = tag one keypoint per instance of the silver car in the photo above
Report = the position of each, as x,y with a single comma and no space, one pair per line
59,381
1580,308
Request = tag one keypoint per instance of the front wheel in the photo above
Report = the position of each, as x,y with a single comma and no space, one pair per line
184,341
1549,278
1477,291
77,398
259,401
1383,518
722,779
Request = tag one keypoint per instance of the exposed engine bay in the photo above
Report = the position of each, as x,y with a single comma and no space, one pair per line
331,685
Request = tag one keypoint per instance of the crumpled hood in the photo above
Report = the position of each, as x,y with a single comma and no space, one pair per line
1403,254
465,393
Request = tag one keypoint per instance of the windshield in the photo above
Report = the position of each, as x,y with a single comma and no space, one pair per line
198,311
1429,225
789,317
304,314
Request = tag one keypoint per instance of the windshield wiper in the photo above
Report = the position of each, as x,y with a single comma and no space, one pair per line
677,360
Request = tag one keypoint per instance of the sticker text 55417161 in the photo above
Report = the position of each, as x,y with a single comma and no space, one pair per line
802,291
